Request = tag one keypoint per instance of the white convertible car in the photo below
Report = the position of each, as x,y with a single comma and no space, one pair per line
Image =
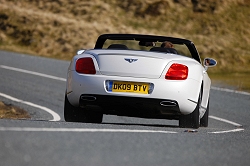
134,75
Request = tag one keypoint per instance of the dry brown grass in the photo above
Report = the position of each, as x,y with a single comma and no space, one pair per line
220,29
12,112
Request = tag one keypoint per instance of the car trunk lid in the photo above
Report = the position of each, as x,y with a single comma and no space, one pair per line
131,65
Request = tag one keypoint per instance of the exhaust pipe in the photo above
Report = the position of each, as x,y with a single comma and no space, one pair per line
88,98
168,103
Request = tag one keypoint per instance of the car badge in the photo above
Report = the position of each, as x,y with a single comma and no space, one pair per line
130,60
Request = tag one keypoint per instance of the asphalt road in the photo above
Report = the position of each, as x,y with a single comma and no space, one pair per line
37,85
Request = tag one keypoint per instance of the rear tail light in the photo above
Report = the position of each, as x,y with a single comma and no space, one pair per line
85,66
177,72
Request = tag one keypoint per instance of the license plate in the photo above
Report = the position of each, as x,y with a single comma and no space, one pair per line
134,87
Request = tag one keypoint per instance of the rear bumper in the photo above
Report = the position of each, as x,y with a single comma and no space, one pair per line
184,93
131,106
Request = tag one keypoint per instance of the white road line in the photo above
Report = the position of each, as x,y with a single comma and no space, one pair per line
83,130
56,117
227,131
32,72
226,121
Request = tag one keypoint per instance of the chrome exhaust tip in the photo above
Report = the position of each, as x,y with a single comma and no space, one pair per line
168,103
88,98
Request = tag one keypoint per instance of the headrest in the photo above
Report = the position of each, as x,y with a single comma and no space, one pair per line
118,46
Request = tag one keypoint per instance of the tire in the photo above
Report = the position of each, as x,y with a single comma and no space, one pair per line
70,112
192,120
204,119
77,114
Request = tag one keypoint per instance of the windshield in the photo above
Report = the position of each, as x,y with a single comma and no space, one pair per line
146,46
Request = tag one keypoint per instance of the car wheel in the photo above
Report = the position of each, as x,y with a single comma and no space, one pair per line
71,113
204,119
191,120
77,114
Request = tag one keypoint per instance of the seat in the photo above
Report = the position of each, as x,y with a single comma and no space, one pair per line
118,47
172,50
166,50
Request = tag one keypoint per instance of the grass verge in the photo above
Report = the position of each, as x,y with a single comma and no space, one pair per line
12,112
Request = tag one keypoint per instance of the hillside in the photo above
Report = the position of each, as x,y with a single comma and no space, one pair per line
57,28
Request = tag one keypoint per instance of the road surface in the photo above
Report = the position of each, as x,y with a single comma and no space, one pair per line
37,85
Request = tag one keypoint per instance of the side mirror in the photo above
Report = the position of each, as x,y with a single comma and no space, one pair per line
209,62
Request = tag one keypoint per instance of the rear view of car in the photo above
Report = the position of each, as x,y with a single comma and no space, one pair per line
125,76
